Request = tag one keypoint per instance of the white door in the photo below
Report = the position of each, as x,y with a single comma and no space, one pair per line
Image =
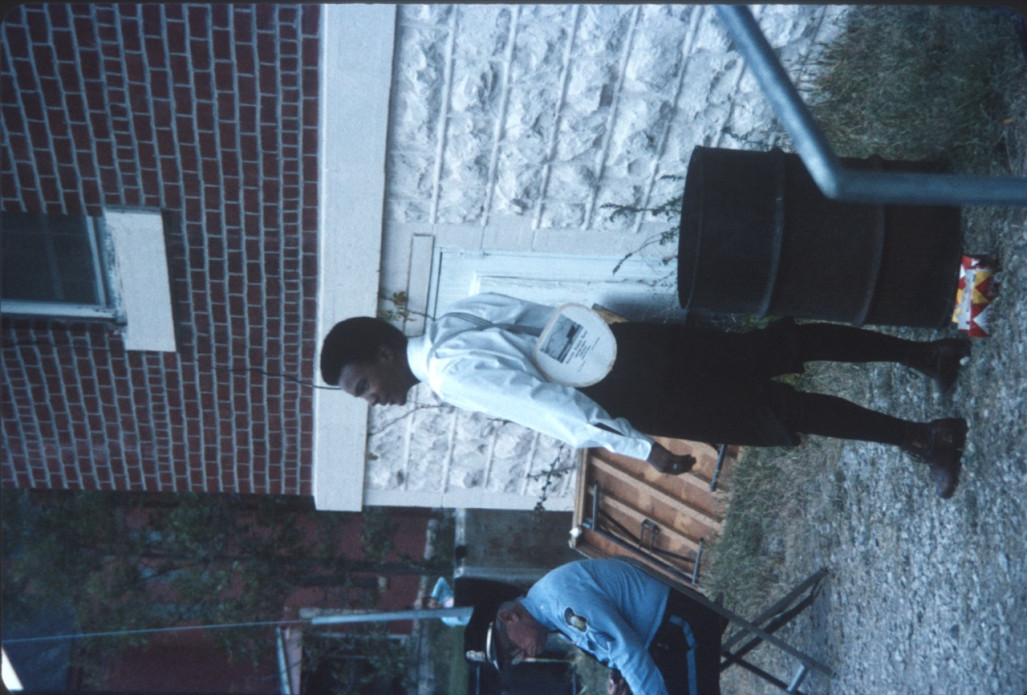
635,288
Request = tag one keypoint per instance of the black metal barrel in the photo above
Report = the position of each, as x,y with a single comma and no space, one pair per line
758,237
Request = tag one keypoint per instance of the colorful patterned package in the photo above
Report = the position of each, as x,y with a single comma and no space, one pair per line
977,288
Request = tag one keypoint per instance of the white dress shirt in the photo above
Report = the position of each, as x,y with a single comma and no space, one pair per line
486,366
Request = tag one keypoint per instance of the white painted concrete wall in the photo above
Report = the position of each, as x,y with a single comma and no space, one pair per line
511,126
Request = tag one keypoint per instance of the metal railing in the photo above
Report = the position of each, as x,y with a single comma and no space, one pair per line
833,179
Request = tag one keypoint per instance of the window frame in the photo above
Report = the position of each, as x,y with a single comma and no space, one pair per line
130,250
109,308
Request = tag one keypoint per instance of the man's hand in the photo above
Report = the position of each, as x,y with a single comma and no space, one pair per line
616,685
666,462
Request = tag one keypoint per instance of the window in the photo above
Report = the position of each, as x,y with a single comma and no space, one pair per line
112,268
57,265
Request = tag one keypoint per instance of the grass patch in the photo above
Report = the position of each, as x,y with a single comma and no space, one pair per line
908,82
771,495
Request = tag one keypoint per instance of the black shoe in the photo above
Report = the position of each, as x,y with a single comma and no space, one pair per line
941,360
940,445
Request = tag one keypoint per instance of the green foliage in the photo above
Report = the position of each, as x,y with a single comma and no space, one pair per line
127,561
400,312
670,209
377,532
359,662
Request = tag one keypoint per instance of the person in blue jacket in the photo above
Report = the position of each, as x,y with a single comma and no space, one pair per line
656,640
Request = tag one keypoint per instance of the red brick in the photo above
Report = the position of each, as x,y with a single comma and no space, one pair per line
208,143
32,104
110,50
82,136
167,148
245,62
39,132
89,64
175,36
153,20
85,34
131,195
199,20
269,138
91,191
180,69
174,13
310,21
149,179
267,74
222,40
224,76
160,87
266,17
309,81
58,16
226,109
247,118
199,52
220,16
135,69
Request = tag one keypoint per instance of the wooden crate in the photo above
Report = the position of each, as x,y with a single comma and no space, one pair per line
659,519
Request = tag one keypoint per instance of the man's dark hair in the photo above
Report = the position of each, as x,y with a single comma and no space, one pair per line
357,340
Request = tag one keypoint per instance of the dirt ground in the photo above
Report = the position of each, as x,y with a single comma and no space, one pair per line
924,595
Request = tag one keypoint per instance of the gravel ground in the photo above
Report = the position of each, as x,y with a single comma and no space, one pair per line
924,595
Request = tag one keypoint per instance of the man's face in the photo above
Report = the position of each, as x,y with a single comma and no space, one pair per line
379,382
520,634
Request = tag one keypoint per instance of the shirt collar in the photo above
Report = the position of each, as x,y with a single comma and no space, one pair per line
418,350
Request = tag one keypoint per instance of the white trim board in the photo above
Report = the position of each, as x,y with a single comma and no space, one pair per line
142,273
356,78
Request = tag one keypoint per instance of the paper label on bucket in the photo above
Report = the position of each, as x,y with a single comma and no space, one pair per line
576,348
561,344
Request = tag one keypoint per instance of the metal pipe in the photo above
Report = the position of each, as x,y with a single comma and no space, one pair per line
386,616
354,617
824,167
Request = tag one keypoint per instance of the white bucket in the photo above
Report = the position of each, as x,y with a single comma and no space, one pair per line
576,348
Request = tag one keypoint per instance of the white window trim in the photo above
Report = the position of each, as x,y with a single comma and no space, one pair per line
141,272
30,307
356,79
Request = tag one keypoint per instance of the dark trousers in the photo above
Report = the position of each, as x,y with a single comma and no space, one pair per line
718,387
686,648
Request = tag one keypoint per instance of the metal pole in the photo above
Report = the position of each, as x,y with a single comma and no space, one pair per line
355,617
381,617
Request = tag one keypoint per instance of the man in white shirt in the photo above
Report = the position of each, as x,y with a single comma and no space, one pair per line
668,380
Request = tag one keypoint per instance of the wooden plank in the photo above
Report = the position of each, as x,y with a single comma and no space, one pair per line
668,532
684,505
687,486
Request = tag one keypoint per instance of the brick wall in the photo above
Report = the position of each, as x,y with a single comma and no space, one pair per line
208,112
